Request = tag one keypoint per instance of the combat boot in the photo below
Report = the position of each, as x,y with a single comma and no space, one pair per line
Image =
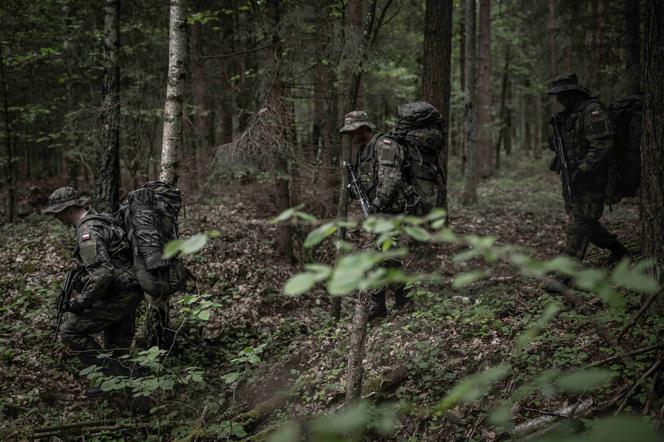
559,284
401,300
377,307
618,252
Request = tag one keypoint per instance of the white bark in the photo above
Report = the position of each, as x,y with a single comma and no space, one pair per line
172,139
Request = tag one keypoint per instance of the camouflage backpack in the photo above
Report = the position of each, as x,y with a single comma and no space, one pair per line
419,130
624,168
150,219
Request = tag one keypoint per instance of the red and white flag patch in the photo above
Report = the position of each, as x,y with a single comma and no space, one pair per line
594,114
85,237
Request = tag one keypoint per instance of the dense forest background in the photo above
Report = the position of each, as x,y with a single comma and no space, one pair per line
239,103
54,61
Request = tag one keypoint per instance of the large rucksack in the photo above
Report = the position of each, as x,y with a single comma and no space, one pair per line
149,216
419,130
625,162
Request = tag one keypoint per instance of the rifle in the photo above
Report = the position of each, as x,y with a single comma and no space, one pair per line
560,152
62,304
356,186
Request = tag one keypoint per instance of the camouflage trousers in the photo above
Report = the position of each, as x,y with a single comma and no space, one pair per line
584,227
114,316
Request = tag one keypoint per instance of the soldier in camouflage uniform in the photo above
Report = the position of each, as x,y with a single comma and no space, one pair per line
379,166
108,292
587,134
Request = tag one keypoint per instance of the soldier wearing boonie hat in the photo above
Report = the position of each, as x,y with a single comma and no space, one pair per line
587,131
108,293
379,169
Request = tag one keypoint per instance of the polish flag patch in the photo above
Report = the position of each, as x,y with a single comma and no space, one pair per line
594,114
85,237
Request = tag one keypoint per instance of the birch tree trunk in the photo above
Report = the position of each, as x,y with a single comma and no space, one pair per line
485,152
652,142
172,139
108,174
469,195
436,68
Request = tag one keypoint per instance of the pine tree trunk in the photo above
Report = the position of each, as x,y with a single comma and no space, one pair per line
436,69
198,87
485,152
552,43
632,44
504,127
10,178
108,174
470,176
171,146
652,142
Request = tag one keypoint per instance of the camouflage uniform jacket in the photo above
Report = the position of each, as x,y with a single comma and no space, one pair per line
380,166
587,133
103,253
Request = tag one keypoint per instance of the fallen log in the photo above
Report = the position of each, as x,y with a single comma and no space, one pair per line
539,423
386,383
263,409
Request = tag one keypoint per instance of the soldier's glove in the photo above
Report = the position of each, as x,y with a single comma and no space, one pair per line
377,205
76,307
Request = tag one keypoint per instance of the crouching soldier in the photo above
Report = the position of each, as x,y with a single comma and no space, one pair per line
108,293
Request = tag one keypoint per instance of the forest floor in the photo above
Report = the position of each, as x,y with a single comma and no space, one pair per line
258,342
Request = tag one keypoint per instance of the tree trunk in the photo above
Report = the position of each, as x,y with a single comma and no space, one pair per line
652,142
470,176
551,34
108,174
172,139
276,100
10,179
198,86
358,338
504,123
485,152
436,69
632,44
157,318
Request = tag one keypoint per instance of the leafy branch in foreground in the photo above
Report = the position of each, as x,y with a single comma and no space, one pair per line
363,270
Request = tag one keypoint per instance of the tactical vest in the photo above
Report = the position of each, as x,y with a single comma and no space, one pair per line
113,235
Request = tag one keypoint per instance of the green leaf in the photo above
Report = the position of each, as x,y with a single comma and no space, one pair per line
634,278
194,244
300,283
472,387
203,315
346,421
287,433
286,214
467,278
587,279
172,248
317,235
621,429
584,380
417,233
231,377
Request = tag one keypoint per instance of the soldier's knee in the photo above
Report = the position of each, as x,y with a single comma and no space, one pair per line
71,337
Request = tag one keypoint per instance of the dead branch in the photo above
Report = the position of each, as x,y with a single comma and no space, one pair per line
569,412
90,429
631,391
638,315
631,353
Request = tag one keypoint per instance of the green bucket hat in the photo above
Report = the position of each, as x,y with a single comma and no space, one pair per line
566,82
65,197
356,119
